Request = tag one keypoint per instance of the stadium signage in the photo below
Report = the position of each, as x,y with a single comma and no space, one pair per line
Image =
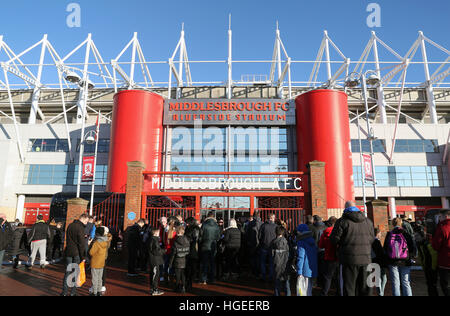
274,112
231,184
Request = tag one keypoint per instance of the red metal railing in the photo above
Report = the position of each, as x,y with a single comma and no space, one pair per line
291,216
111,211
153,214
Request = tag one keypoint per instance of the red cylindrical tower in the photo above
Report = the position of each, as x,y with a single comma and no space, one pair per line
323,134
136,134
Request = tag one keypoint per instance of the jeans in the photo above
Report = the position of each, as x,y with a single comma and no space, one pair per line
330,269
282,286
41,246
264,254
73,292
400,277
354,278
383,280
253,259
154,277
2,255
208,265
231,256
97,280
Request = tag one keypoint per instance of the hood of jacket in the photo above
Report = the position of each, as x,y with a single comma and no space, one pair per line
102,242
327,231
210,222
303,233
354,214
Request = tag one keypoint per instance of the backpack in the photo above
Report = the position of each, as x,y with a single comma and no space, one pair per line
398,247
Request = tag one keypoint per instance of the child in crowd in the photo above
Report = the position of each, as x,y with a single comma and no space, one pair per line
280,254
156,259
180,251
98,253
306,260
379,257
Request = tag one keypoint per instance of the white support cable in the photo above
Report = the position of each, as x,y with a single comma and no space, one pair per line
397,119
16,127
66,122
431,104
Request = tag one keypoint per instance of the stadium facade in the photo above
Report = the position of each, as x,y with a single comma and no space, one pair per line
42,107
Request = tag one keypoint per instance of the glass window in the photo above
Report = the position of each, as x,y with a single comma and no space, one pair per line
48,145
378,145
403,176
62,145
59,175
416,146
103,146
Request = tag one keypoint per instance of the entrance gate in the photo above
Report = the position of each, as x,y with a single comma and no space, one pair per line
173,193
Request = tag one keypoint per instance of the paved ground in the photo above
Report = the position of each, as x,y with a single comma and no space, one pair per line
48,282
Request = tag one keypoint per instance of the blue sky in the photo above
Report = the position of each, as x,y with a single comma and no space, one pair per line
158,23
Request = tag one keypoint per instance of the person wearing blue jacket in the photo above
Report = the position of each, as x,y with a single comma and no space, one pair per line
306,260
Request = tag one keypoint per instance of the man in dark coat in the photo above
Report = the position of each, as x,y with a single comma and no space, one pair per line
353,235
156,260
192,233
180,251
252,233
266,236
5,236
209,235
280,254
19,244
134,244
74,253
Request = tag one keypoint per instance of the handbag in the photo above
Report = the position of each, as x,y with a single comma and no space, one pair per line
82,276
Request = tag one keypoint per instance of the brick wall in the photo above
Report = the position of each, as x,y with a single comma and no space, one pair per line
377,211
135,184
75,207
318,189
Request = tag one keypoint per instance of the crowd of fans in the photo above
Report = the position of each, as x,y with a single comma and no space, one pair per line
337,254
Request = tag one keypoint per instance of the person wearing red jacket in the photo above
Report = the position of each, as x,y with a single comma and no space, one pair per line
441,243
331,263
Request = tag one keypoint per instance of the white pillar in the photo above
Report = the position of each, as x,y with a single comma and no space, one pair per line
444,202
392,207
20,208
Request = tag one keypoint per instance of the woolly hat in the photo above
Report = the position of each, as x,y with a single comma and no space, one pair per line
302,228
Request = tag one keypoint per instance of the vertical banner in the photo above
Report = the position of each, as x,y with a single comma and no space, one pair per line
88,169
368,175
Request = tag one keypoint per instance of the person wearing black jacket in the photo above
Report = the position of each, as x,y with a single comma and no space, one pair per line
19,244
379,257
232,241
180,251
134,242
5,236
251,236
57,240
209,236
192,233
74,253
156,259
353,235
280,254
39,237
266,236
